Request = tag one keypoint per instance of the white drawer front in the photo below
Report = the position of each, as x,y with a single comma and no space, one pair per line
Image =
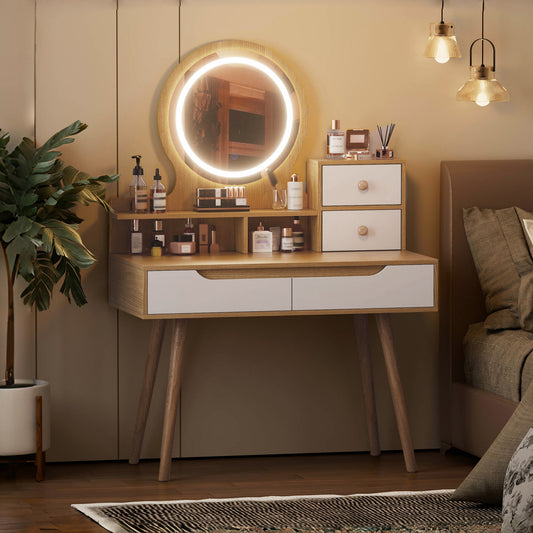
186,291
340,230
396,286
361,185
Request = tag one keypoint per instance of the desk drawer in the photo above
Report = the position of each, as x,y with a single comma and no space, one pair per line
394,287
186,291
340,230
361,185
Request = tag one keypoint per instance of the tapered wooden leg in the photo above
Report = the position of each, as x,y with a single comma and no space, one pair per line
365,362
150,370
39,454
385,334
179,332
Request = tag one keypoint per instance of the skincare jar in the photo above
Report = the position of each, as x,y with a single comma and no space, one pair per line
183,245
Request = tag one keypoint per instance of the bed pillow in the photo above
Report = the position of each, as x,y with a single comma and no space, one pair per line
525,291
485,481
517,504
490,233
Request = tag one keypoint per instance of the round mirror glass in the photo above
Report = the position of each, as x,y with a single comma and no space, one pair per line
230,110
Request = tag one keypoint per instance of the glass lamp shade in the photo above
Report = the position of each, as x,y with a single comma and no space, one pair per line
442,44
482,88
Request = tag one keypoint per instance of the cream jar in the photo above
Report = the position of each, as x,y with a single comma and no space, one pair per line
183,245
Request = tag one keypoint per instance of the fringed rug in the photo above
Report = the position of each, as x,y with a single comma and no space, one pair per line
393,512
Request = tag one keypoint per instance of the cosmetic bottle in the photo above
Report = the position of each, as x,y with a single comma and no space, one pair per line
136,238
214,247
295,193
189,229
182,245
159,234
157,248
158,195
261,240
298,238
138,188
336,141
287,243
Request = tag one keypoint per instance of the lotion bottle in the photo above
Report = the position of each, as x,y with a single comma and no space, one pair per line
295,193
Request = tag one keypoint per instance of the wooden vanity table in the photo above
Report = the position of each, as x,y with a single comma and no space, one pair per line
355,263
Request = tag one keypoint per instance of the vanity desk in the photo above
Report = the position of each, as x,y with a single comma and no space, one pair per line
355,262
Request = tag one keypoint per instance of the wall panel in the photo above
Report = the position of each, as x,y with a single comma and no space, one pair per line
17,26
147,53
75,72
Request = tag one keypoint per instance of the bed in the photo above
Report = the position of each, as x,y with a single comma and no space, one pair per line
471,416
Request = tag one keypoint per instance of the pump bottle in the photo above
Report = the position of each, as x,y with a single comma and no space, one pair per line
138,188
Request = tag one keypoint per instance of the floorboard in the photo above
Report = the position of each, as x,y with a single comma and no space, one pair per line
31,507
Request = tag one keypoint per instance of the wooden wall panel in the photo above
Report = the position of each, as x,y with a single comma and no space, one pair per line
147,53
17,25
77,347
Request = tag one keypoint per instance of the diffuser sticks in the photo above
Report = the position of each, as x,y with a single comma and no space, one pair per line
385,133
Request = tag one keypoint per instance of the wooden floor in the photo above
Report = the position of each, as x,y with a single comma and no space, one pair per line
28,506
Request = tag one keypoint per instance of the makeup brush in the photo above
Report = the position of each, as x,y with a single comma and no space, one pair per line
267,173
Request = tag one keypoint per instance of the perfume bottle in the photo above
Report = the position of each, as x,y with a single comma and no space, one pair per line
158,195
138,188
261,240
136,238
336,141
189,229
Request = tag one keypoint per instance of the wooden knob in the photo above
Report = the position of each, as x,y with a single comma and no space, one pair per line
363,185
362,230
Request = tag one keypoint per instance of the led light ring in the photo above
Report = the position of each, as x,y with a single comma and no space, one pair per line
181,104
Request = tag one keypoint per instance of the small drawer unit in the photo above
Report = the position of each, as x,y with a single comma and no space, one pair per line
368,229
361,204
354,185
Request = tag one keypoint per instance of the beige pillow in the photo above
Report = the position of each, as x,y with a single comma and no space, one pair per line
485,481
491,235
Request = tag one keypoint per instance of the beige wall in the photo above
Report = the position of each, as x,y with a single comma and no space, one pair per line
251,385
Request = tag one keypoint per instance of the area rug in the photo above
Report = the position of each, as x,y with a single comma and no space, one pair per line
393,512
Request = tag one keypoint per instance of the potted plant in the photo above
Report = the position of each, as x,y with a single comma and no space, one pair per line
40,244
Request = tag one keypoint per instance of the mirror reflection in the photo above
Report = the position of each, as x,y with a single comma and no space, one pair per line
232,113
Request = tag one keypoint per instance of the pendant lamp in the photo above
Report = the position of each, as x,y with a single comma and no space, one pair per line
482,87
442,43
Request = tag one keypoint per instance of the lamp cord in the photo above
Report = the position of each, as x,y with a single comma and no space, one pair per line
483,33
442,12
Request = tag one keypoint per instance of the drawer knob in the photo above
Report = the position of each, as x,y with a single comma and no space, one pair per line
363,185
362,230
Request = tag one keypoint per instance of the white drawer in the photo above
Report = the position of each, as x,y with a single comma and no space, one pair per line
186,291
396,286
345,185
340,230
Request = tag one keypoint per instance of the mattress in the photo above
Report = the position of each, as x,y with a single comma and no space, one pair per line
498,362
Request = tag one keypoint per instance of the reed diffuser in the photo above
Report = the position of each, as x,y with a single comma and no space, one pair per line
385,133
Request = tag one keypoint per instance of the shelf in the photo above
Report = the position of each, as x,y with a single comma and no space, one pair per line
253,213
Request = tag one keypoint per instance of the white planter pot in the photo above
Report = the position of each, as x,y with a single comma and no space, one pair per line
18,417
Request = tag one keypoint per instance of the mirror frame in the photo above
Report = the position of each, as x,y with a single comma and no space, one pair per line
169,97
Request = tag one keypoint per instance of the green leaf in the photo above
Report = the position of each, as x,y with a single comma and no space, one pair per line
39,289
23,248
67,242
71,286
20,226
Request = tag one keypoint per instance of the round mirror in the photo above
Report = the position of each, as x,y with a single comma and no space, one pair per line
229,110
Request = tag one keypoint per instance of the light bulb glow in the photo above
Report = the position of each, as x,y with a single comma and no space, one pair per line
179,117
442,55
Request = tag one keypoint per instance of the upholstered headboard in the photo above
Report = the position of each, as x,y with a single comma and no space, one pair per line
485,184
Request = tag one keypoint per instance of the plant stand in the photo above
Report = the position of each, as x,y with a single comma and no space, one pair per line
39,457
